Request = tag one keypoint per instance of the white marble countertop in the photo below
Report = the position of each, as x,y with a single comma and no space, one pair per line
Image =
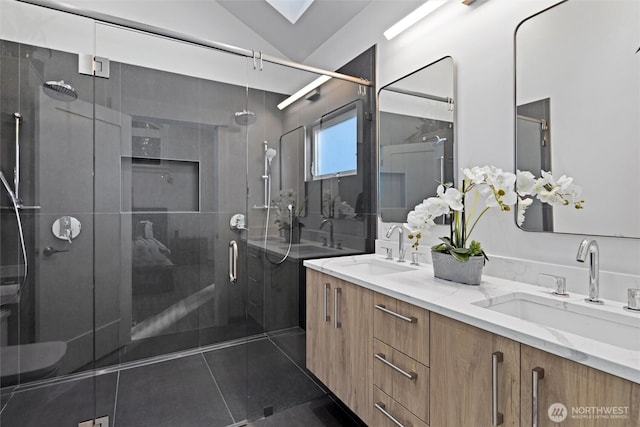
419,287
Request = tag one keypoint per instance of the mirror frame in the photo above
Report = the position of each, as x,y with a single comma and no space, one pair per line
515,131
453,130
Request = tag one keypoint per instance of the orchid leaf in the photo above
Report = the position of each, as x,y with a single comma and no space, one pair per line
460,257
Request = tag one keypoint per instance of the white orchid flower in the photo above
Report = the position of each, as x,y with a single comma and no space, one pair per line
526,183
437,206
452,197
523,204
552,197
476,174
498,189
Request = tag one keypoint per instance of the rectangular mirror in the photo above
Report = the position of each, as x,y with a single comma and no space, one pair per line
416,138
291,162
577,109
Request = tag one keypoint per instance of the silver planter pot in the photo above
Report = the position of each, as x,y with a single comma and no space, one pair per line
448,268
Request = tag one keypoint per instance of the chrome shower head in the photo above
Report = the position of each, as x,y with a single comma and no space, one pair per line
60,91
245,118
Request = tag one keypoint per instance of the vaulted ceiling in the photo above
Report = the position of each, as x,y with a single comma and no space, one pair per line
317,24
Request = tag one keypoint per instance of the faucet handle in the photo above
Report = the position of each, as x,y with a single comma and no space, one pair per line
633,300
414,258
560,283
389,252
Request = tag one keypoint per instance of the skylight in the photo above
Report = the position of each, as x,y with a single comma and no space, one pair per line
290,9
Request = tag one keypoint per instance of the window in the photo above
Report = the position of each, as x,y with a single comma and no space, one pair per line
335,144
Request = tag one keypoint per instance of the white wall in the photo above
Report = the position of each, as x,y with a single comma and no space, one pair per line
480,38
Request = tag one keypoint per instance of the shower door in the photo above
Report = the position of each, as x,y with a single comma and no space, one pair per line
128,183
168,180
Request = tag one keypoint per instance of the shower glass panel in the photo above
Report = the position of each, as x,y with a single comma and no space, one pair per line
47,222
127,191
172,176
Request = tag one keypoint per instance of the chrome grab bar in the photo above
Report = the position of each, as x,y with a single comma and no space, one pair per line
536,374
16,171
380,407
382,308
496,417
233,262
411,375
325,298
336,308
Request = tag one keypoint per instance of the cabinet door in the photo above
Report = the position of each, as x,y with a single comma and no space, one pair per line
353,346
319,326
340,339
575,395
462,375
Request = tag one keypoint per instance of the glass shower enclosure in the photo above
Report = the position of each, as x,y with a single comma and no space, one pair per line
136,172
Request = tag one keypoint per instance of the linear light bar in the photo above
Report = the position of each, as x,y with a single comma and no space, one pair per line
302,92
413,17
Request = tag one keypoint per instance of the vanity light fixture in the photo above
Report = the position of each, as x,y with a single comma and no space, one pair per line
413,17
302,92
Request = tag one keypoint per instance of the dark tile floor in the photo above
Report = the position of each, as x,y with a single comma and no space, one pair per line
273,380
205,389
320,412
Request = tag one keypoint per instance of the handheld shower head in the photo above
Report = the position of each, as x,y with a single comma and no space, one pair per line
270,153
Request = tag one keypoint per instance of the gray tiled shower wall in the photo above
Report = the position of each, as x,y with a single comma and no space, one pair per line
189,129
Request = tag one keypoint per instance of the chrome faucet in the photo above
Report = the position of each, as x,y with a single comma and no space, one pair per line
400,240
590,247
326,221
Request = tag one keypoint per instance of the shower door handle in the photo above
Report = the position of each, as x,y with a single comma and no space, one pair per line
16,170
233,262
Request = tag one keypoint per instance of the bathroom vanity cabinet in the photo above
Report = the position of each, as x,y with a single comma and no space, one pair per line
394,363
339,339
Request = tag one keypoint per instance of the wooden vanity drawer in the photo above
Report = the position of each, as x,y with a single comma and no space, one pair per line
402,378
382,402
403,326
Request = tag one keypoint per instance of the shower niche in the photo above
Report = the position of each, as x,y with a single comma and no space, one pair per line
160,184
162,171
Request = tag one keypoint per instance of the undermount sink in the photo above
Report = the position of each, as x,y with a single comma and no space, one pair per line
373,266
618,329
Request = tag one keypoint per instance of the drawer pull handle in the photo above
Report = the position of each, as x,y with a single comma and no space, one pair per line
411,375
325,298
410,319
496,417
380,407
536,375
